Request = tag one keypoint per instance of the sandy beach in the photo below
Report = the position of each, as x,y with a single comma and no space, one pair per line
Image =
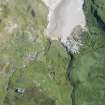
63,17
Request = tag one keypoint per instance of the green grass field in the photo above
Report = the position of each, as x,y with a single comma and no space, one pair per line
48,76
88,69
40,67
30,61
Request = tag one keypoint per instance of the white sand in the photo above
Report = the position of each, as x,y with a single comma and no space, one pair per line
63,16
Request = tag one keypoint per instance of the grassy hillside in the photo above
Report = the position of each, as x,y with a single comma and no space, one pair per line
44,80
88,68
41,68
28,60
